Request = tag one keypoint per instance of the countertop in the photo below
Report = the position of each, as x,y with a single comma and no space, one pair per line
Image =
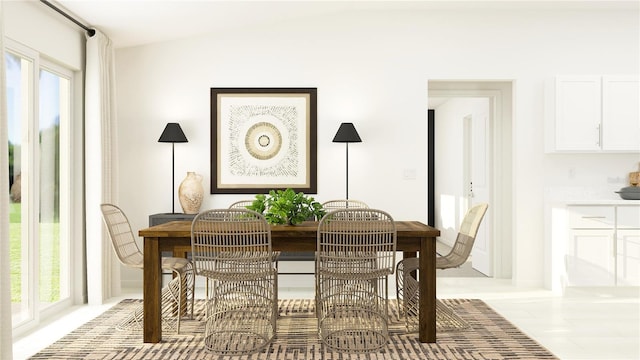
600,202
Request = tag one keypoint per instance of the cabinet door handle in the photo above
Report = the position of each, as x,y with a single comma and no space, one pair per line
599,135
594,217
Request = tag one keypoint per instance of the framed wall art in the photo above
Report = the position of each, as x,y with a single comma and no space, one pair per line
263,139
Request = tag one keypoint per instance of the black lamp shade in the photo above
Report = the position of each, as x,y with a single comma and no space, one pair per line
173,134
346,134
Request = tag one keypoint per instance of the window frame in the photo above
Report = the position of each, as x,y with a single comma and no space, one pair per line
70,187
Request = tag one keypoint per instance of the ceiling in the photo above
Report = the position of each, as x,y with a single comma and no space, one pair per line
138,22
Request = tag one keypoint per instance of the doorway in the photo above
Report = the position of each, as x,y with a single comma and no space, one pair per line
473,165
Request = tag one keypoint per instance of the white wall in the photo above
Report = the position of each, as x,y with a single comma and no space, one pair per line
372,68
35,25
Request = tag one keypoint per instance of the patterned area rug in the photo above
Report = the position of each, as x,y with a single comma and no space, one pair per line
489,336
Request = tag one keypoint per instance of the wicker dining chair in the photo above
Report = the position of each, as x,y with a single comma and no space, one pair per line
232,249
242,204
339,204
175,295
344,204
355,256
408,300
407,289
465,239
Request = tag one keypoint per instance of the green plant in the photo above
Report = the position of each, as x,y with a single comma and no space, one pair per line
286,207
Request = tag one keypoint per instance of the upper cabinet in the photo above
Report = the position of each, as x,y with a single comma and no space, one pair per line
578,113
620,113
596,114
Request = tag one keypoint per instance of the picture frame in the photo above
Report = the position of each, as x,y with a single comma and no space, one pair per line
263,139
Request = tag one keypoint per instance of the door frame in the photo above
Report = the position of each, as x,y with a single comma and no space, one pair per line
500,94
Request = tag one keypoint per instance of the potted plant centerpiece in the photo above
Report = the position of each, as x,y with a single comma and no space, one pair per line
287,207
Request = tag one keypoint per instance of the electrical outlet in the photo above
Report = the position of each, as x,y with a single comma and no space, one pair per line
615,180
409,174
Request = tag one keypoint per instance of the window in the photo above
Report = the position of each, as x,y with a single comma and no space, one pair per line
39,120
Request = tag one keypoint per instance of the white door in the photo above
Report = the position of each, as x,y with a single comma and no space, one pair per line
476,182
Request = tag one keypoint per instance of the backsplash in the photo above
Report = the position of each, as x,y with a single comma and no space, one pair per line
587,176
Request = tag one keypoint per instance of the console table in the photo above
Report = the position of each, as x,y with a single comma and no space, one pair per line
157,219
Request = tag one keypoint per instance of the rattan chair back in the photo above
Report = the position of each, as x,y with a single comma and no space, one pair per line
241,204
465,238
344,204
231,242
347,237
122,238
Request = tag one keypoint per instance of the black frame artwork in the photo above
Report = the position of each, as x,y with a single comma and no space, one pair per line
263,139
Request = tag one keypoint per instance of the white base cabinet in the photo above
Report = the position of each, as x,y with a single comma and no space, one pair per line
603,246
628,259
628,245
590,258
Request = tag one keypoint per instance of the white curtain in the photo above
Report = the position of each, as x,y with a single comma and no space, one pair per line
100,165
6,341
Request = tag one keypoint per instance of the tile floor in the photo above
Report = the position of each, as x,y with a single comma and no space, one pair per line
581,324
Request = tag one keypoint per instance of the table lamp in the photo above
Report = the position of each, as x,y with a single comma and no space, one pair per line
173,134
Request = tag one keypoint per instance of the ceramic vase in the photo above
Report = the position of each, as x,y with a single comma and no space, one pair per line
190,193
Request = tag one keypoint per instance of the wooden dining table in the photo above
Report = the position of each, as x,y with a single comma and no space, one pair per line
412,237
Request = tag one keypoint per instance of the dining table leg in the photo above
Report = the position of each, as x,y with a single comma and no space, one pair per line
152,298
427,283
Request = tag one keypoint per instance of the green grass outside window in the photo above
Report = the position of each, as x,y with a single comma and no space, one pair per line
49,291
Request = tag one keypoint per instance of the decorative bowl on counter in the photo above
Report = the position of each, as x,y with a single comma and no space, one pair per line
629,193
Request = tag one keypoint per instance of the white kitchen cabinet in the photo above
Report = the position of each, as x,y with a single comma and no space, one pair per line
603,246
597,114
628,245
578,113
620,113
590,258
592,217
628,257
